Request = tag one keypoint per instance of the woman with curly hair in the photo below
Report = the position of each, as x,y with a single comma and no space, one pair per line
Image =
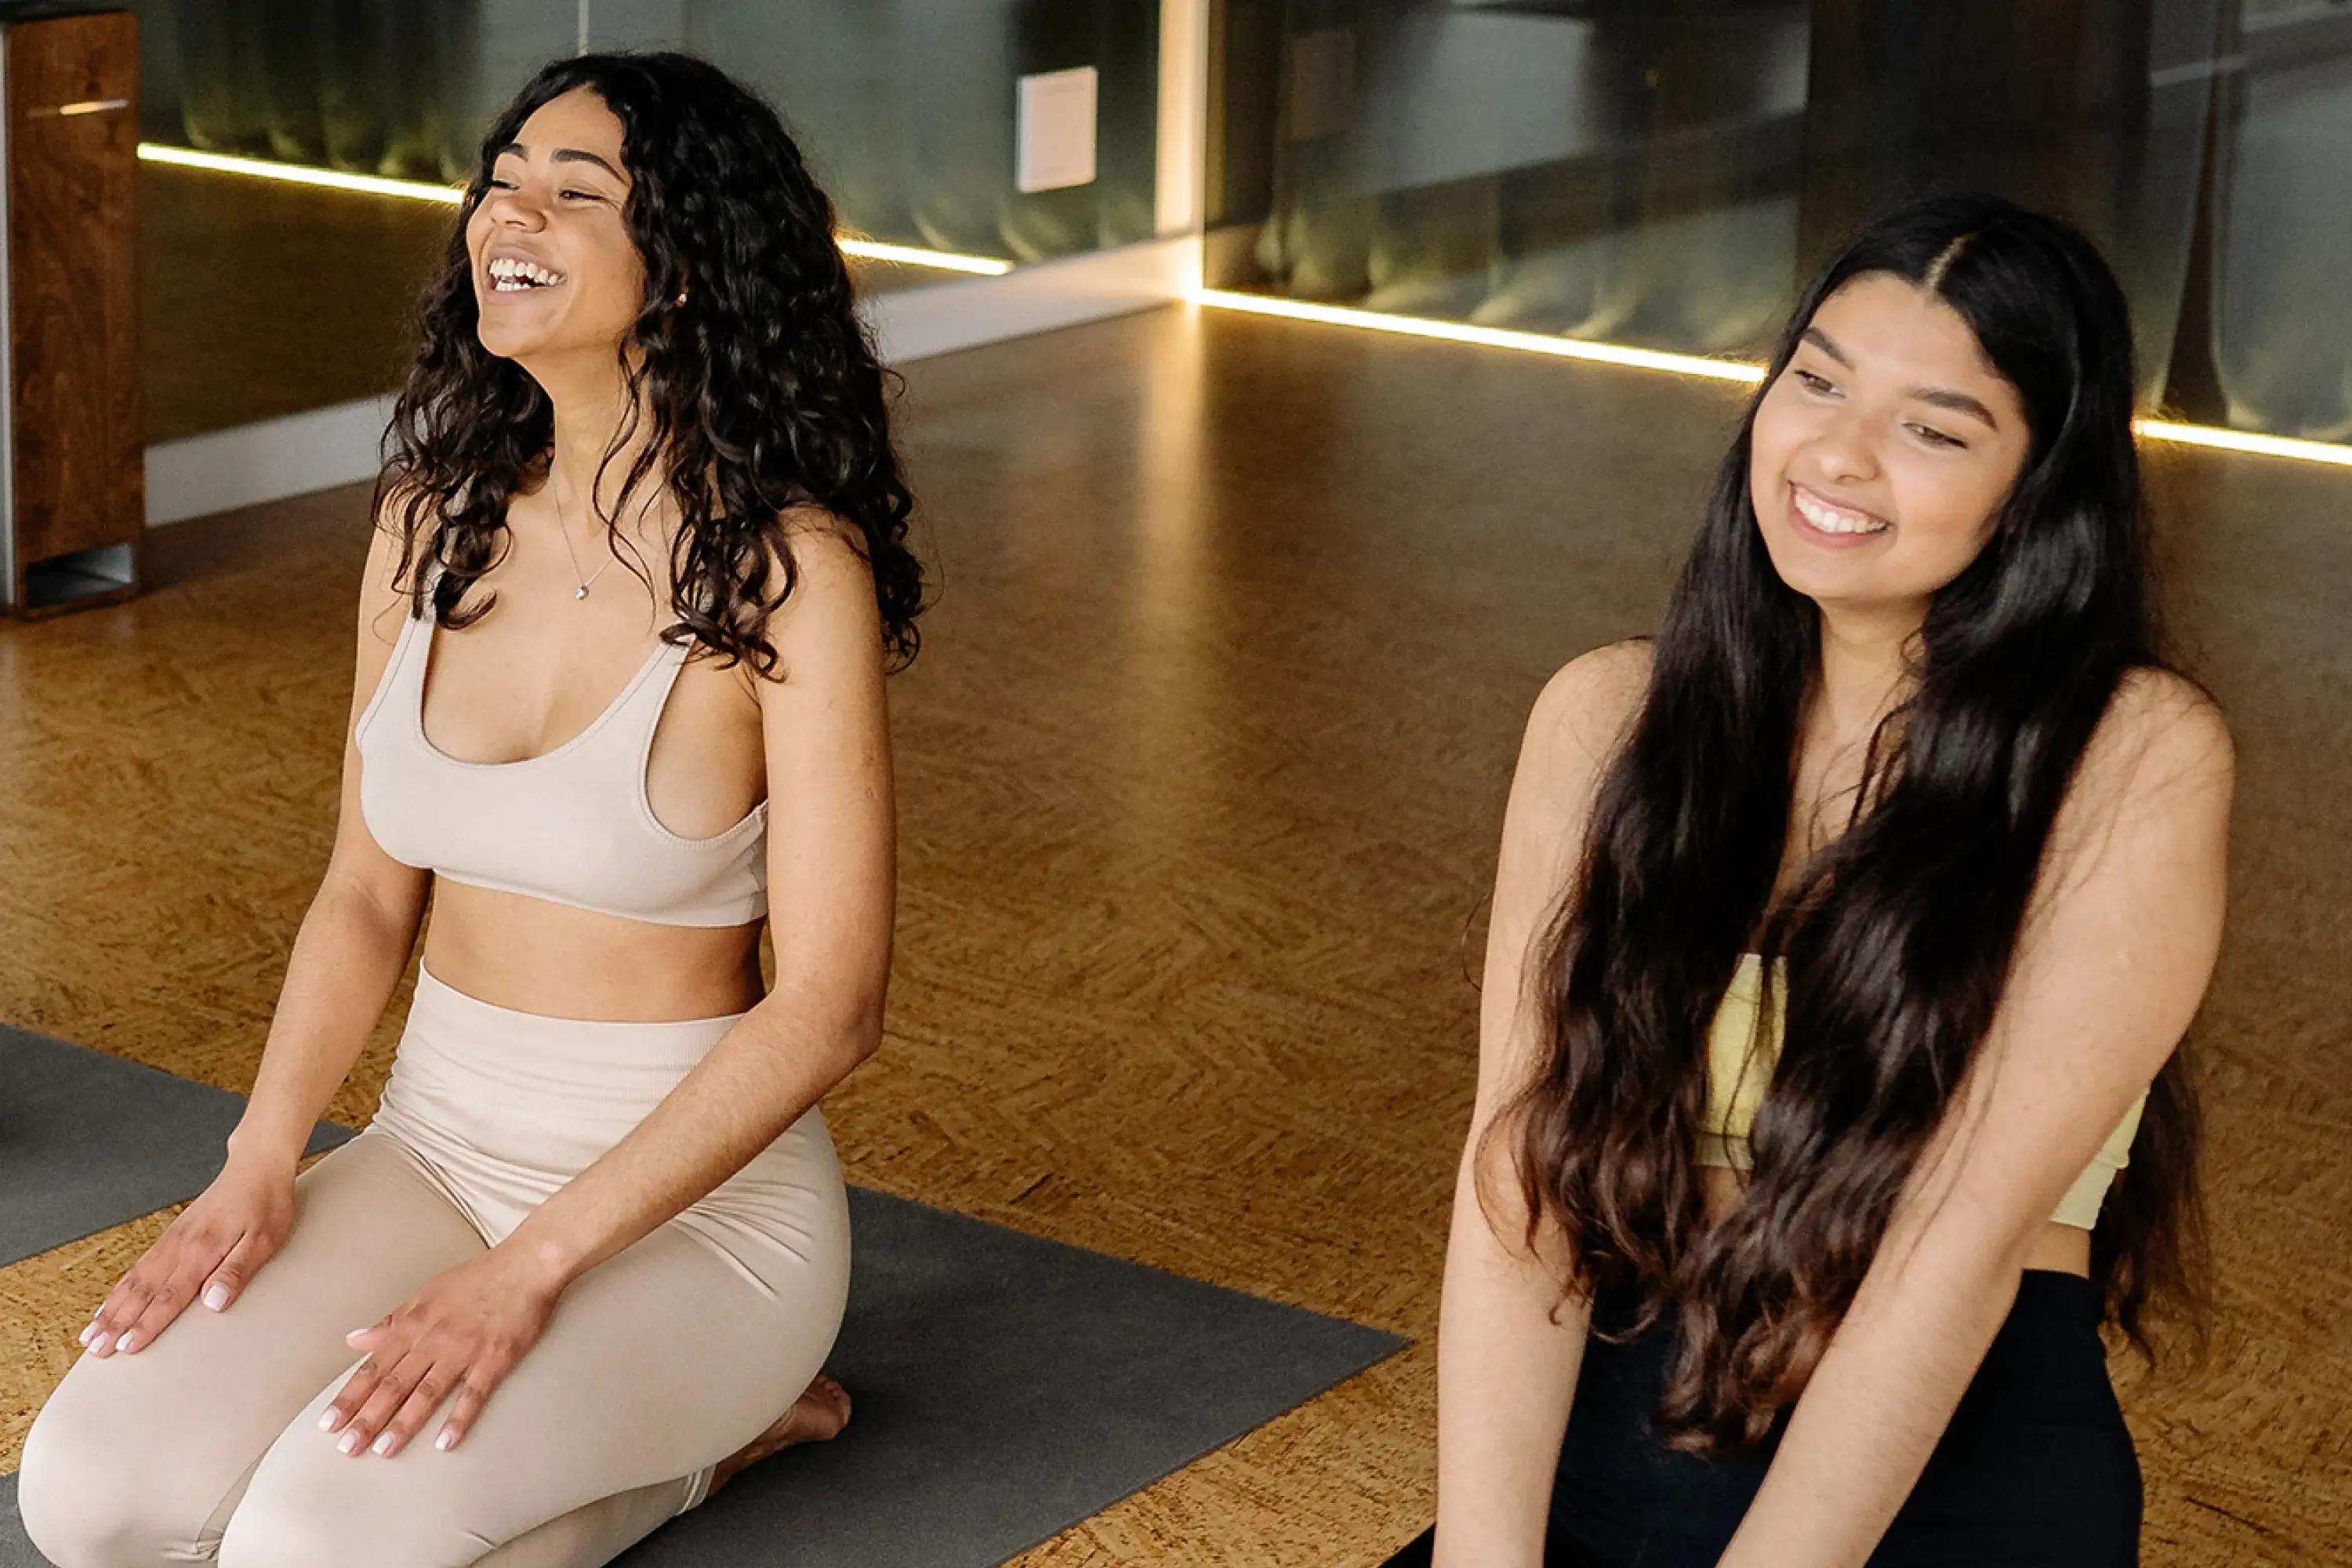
640,569
1828,1101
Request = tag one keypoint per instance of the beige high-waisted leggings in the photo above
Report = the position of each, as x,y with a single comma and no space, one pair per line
205,1445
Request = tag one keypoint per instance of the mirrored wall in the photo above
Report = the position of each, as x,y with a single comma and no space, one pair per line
265,299
1664,173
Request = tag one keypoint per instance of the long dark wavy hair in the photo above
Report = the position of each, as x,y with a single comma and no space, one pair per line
1897,937
759,393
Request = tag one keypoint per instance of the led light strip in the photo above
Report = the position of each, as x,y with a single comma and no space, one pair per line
1694,364
300,175
2243,441
916,255
451,196
1491,337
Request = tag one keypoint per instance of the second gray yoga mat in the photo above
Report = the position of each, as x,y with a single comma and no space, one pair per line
1007,1387
88,1141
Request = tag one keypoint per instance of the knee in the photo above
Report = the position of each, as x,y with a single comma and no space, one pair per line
280,1527
276,1531
92,1493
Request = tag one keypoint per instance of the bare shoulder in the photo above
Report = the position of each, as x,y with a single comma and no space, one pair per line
1573,734
828,549
2162,738
2158,711
1580,719
383,587
2154,784
829,626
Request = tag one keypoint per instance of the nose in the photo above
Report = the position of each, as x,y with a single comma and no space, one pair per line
1844,450
513,208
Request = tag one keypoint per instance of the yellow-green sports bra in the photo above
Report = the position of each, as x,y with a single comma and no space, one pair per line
1733,1093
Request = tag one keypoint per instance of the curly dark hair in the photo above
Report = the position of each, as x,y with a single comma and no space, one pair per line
1898,938
760,394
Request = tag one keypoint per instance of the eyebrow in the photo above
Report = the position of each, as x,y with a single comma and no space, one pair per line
1938,397
564,155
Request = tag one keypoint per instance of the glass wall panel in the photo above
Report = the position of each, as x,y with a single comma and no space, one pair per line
265,299
2282,275
262,297
1664,173
905,107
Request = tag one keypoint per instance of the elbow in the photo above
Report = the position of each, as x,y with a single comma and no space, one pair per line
367,911
861,1039
857,1017
845,1027
824,1014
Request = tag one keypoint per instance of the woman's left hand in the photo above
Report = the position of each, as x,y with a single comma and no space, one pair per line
462,1333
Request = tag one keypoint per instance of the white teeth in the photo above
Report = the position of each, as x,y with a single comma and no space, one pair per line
510,273
1836,520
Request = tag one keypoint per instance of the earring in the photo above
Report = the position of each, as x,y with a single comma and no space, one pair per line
681,297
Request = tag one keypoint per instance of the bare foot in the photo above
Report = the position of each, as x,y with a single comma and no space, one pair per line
820,1412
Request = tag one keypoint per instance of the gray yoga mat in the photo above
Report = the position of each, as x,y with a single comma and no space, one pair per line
1007,1386
88,1141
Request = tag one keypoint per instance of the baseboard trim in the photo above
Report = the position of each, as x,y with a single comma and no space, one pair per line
943,318
268,460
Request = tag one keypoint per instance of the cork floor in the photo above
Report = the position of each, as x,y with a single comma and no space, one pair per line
1201,769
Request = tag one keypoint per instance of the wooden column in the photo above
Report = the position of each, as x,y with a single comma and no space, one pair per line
74,483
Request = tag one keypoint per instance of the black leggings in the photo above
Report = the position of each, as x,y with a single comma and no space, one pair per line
2035,1470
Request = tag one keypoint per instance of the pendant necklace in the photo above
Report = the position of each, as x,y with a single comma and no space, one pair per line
585,583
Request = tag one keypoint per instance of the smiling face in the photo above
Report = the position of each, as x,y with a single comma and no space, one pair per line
1881,453
555,271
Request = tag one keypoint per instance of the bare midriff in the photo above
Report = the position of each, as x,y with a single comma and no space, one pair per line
531,956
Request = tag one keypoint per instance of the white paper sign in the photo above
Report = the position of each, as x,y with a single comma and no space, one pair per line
1056,136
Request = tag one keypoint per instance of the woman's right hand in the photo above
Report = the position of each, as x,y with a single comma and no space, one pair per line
211,1253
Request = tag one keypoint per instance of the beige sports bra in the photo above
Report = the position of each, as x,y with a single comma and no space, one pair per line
572,825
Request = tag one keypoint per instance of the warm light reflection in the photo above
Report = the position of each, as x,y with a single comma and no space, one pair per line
451,196
2240,441
915,256
1492,337
1713,369
300,175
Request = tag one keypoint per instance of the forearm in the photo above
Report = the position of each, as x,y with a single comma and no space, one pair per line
777,1062
1506,1374
1874,1409
348,956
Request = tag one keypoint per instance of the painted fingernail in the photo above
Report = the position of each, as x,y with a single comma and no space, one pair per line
89,1333
127,1339
327,1422
350,1443
446,1441
384,1444
98,1345
216,1297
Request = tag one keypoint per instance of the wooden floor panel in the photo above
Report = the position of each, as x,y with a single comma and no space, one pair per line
1201,769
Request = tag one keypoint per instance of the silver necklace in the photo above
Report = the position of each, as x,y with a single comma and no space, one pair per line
585,583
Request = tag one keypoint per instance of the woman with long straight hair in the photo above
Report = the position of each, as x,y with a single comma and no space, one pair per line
640,568
1843,935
